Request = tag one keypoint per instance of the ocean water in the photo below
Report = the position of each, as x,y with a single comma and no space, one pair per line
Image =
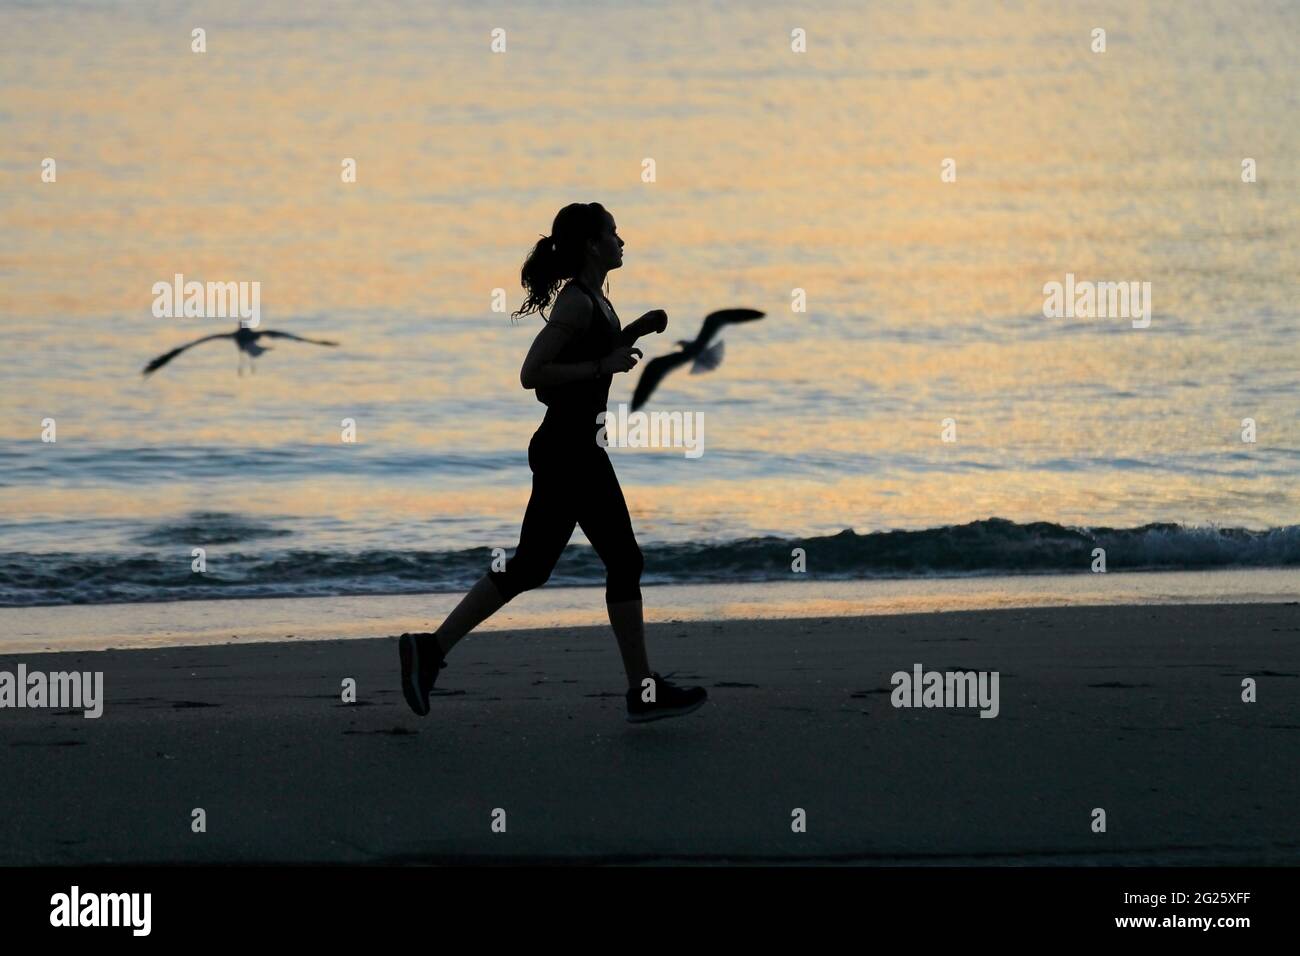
775,171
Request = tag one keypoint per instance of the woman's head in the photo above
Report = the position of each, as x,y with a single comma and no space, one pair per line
582,234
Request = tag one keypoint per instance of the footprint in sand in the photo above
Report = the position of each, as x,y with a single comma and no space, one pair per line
48,743
395,732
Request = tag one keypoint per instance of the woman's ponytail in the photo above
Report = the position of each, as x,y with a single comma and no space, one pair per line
558,256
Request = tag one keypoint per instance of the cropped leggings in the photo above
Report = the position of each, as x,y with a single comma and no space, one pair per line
573,484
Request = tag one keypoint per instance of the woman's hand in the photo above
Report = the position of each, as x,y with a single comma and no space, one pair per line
656,320
622,359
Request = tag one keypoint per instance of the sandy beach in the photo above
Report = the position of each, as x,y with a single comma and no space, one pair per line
1136,710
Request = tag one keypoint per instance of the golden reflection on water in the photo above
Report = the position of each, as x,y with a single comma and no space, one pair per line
774,172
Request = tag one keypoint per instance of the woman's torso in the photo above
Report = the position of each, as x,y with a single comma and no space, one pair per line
576,404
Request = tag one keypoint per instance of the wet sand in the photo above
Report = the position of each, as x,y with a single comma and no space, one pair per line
1134,709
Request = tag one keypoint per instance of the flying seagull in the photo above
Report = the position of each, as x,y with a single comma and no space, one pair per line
705,358
245,341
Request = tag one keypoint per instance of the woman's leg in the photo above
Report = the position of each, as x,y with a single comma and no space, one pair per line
548,524
480,603
628,622
605,520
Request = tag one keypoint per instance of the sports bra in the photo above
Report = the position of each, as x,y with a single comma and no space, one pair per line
579,402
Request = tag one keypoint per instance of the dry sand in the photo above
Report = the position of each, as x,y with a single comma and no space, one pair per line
1136,710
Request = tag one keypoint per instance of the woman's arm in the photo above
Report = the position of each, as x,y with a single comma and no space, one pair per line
655,320
571,316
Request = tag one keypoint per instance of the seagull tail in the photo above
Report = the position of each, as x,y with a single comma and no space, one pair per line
708,360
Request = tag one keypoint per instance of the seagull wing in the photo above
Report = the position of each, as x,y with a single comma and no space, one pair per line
654,371
716,320
296,338
162,360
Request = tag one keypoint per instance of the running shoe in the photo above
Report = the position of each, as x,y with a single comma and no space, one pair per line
421,660
670,701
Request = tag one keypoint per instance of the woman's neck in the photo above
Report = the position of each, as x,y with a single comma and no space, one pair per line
593,277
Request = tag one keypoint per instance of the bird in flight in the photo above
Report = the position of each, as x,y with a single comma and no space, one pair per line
245,341
705,358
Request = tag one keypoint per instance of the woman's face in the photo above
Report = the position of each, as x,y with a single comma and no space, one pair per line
607,250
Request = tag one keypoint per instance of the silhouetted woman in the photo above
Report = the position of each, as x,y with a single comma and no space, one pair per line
570,366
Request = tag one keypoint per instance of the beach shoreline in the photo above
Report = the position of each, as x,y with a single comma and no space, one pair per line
92,627
1136,710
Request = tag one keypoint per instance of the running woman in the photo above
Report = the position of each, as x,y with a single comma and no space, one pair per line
570,366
